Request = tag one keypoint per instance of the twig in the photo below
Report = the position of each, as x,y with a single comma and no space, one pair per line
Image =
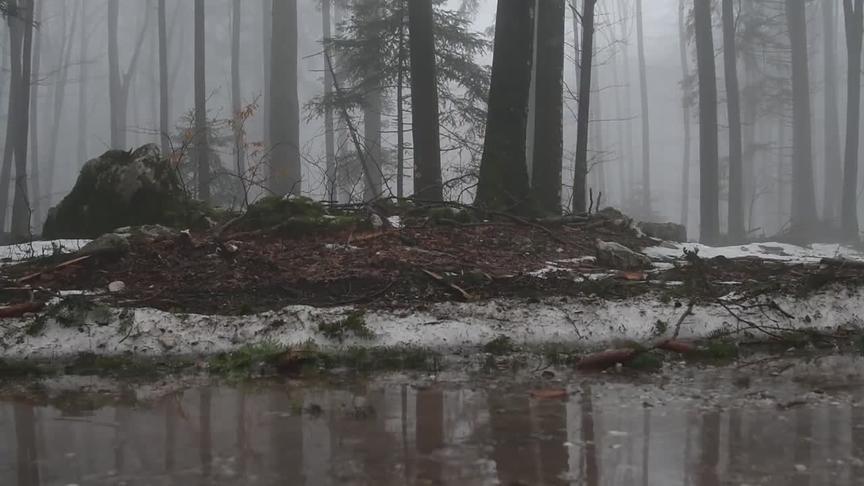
688,312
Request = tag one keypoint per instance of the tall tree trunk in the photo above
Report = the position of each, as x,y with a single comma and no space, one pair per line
549,88
285,175
267,52
709,210
329,134
400,114
202,150
803,194
236,97
833,159
733,106
115,83
34,83
373,162
854,20
45,200
424,101
16,86
580,168
164,94
630,156
646,121
20,229
503,180
685,109
83,69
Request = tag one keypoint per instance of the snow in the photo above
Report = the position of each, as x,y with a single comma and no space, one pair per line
25,251
783,252
447,327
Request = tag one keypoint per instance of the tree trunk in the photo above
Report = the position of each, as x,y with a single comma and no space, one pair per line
685,109
424,101
709,210
34,82
115,84
329,134
803,195
16,85
833,159
503,183
285,175
733,106
580,168
646,121
202,155
854,20
236,97
267,52
400,114
83,69
45,200
164,94
20,229
373,161
549,88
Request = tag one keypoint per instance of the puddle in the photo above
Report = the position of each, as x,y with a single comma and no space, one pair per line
769,422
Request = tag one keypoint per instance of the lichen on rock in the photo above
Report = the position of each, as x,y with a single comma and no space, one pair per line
119,189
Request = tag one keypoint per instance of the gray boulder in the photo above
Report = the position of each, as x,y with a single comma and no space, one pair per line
665,231
109,244
617,256
119,189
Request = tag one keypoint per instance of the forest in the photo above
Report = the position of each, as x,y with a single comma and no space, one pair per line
548,110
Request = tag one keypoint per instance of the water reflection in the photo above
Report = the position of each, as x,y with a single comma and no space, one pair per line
394,433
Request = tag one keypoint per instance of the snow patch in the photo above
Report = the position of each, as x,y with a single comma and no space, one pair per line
782,252
448,327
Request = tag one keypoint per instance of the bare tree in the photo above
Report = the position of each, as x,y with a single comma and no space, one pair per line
733,106
119,82
329,134
424,101
236,98
580,168
646,121
709,210
833,159
164,94
285,168
549,106
853,13
503,183
202,149
685,108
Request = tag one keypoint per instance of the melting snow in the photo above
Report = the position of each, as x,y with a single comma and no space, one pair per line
783,252
26,251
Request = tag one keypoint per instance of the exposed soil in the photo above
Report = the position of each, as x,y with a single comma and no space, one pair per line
407,267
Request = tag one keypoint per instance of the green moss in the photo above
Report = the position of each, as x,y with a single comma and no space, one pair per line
354,324
660,328
247,358
650,361
720,349
20,369
295,216
126,365
366,360
499,346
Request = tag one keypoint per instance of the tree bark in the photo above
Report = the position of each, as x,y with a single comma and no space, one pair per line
733,106
803,195
202,155
20,228
267,53
236,97
285,167
646,121
854,19
16,85
549,87
83,69
709,211
164,94
580,168
424,101
503,183
685,113
34,82
329,133
115,88
833,159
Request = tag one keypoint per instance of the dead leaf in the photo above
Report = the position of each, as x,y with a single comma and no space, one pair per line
606,359
633,276
676,346
19,310
550,394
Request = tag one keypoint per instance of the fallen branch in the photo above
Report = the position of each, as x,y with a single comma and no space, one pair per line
438,278
34,276
18,310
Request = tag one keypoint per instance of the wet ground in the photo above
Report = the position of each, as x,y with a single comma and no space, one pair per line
765,421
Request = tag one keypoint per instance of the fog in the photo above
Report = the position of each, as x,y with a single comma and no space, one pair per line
70,89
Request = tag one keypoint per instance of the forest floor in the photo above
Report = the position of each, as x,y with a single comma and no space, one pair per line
419,263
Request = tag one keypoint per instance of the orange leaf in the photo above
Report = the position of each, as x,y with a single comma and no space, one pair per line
633,276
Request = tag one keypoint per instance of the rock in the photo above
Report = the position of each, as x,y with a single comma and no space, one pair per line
615,255
665,231
149,232
110,244
119,189
116,287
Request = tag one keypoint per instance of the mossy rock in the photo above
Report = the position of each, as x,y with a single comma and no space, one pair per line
295,216
120,189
